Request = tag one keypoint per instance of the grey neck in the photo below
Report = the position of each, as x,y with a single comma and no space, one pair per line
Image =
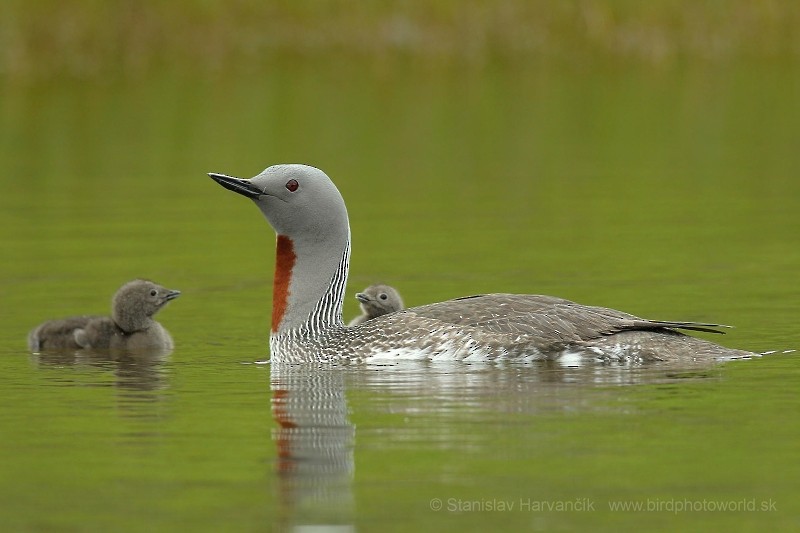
317,288
130,322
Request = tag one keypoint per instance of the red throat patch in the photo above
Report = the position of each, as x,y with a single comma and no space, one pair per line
284,263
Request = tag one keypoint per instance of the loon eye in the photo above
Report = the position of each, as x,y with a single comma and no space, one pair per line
383,296
153,292
292,185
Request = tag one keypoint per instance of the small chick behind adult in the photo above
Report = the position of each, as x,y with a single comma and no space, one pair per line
375,301
129,328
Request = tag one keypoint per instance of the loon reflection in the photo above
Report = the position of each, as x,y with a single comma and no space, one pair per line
314,440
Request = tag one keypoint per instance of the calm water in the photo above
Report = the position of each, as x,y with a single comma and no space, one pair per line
671,194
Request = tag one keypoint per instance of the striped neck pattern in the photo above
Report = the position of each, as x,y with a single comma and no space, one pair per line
326,317
328,311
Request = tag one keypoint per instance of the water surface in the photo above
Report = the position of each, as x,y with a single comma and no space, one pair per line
669,193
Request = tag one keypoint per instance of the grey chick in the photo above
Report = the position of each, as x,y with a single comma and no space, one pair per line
129,328
375,301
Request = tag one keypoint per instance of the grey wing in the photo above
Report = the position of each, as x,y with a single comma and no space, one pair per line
547,318
57,334
97,333
81,338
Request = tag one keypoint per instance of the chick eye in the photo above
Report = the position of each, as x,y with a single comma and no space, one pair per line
382,296
292,185
153,292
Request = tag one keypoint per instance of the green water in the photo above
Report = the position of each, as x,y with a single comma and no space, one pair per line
671,193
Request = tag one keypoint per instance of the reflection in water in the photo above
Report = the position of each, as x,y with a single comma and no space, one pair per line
314,442
132,372
511,387
315,439
139,381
